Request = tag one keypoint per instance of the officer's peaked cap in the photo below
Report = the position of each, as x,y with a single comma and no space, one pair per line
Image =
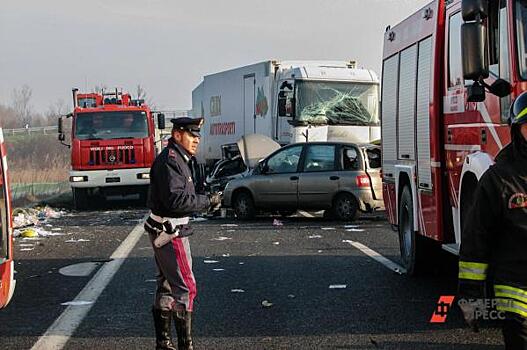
192,125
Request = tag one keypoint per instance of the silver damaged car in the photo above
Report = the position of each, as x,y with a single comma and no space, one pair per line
340,178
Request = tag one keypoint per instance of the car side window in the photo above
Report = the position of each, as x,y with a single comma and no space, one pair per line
374,157
285,161
320,158
350,158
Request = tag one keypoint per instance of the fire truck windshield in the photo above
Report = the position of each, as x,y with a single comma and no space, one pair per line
335,103
521,22
110,125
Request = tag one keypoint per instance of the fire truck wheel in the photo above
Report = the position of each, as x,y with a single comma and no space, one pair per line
80,198
412,245
345,207
244,206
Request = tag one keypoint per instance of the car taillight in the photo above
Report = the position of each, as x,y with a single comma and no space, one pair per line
363,180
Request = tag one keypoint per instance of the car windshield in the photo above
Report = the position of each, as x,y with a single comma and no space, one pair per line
337,103
521,23
111,125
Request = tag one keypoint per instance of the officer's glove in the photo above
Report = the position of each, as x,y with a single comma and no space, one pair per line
215,200
471,308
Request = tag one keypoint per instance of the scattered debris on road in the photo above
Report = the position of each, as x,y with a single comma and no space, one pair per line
210,261
266,303
277,222
338,286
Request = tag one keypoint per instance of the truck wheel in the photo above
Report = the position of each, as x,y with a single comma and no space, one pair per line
80,198
143,196
413,247
345,207
244,206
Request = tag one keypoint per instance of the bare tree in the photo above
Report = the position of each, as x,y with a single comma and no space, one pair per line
142,95
21,104
55,110
8,118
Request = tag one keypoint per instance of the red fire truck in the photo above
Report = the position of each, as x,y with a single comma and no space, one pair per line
112,145
441,129
7,270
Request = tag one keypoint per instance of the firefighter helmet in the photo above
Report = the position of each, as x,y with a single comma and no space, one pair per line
518,113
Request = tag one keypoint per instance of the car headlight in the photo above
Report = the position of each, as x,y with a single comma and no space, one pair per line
143,176
78,178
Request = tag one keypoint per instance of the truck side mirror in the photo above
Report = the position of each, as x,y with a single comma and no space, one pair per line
160,121
501,88
471,9
60,129
282,101
60,126
474,51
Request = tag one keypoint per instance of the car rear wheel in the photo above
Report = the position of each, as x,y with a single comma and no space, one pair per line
244,206
345,207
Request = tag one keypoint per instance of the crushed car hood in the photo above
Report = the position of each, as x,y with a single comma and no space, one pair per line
254,147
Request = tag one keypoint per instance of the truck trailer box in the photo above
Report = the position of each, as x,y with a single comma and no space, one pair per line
289,101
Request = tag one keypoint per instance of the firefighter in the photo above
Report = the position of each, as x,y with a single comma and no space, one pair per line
172,198
494,242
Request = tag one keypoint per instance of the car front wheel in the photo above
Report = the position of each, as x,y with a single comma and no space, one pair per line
244,206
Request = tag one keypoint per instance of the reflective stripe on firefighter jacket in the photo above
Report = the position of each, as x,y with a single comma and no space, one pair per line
494,239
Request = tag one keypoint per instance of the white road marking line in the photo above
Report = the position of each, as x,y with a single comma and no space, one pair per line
376,256
62,329
306,214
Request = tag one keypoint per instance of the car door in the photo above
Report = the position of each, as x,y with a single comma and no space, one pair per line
373,169
276,186
319,180
7,283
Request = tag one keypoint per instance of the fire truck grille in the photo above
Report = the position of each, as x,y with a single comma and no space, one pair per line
112,157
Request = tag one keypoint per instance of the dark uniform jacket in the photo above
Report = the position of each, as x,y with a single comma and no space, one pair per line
172,193
494,239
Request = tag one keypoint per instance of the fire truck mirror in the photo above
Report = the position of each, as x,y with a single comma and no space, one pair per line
501,88
60,127
474,51
475,93
160,121
472,9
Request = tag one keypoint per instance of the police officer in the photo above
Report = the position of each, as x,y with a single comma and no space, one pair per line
494,241
172,198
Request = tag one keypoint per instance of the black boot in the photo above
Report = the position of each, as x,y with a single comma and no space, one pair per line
162,322
183,320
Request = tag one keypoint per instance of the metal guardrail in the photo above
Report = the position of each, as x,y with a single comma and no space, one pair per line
29,131
38,190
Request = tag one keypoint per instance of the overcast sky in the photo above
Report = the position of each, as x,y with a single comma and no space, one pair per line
168,45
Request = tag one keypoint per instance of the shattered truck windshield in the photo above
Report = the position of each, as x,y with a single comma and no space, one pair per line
337,103
111,125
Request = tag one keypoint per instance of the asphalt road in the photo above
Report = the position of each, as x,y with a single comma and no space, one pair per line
239,266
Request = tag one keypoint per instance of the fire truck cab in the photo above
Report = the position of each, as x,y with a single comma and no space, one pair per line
7,270
441,129
112,145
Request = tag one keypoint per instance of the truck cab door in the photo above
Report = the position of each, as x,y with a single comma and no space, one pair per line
7,282
285,110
